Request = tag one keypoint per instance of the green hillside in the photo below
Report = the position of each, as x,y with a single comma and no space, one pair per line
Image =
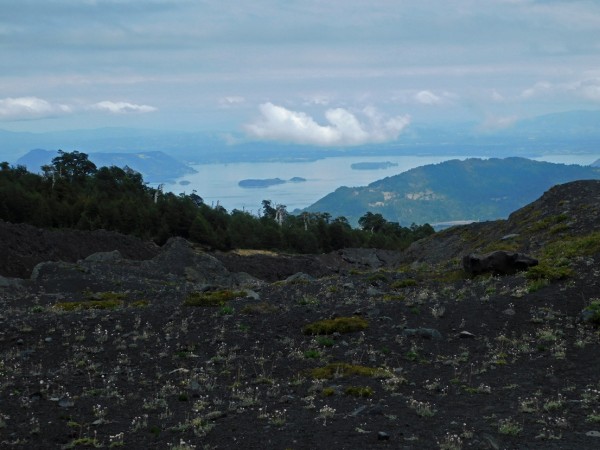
473,189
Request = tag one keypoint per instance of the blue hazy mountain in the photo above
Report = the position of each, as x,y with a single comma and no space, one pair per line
155,166
470,190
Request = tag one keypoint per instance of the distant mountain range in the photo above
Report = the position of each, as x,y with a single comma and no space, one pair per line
155,166
565,132
469,190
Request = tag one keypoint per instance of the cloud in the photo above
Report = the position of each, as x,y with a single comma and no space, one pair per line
427,98
589,89
344,128
122,107
23,108
232,100
539,88
498,123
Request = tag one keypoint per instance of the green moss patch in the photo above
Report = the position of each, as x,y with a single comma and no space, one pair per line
212,299
338,370
359,391
88,304
339,325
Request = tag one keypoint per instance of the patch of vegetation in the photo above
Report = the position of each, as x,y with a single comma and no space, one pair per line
212,299
89,304
592,312
325,341
555,259
337,325
312,354
377,276
328,392
359,391
339,370
407,282
509,427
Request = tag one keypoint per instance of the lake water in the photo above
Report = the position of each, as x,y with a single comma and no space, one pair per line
219,182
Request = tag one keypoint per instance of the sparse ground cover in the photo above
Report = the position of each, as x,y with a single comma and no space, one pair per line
507,368
418,355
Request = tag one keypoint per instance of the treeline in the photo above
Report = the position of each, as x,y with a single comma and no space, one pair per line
73,193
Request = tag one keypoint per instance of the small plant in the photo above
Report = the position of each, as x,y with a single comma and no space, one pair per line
339,325
326,412
423,409
451,442
212,299
312,354
89,304
407,282
591,313
325,341
509,427
328,392
338,370
593,417
226,310
359,391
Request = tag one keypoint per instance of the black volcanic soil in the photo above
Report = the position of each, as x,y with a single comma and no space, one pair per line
458,362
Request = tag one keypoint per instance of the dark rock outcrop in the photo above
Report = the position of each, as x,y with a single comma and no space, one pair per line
499,262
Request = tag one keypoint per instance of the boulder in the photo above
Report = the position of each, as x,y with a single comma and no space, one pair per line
499,263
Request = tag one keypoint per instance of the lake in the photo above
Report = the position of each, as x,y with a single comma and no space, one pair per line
219,182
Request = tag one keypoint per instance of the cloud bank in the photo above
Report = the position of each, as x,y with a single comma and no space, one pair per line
343,128
24,108
122,107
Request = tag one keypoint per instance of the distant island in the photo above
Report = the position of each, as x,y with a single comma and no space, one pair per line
373,165
258,183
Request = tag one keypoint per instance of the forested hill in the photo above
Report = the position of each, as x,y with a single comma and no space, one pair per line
473,189
73,193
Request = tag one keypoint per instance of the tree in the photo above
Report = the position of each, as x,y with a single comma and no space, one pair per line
372,222
74,166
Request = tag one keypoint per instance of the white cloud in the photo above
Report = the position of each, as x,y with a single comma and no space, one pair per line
122,107
22,108
539,88
344,128
427,98
589,89
498,123
230,101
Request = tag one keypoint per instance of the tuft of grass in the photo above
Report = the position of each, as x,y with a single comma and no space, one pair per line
592,312
339,325
339,370
88,304
359,391
407,282
509,427
212,299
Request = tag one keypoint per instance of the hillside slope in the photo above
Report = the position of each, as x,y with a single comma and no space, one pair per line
473,189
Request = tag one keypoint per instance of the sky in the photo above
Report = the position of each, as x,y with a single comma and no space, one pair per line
312,72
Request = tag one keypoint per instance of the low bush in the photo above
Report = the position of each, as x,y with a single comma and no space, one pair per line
339,325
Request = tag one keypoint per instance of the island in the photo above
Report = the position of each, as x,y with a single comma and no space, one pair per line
263,183
373,165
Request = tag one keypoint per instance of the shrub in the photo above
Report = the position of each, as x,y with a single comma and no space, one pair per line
339,325
88,304
359,391
591,313
347,370
404,283
212,299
